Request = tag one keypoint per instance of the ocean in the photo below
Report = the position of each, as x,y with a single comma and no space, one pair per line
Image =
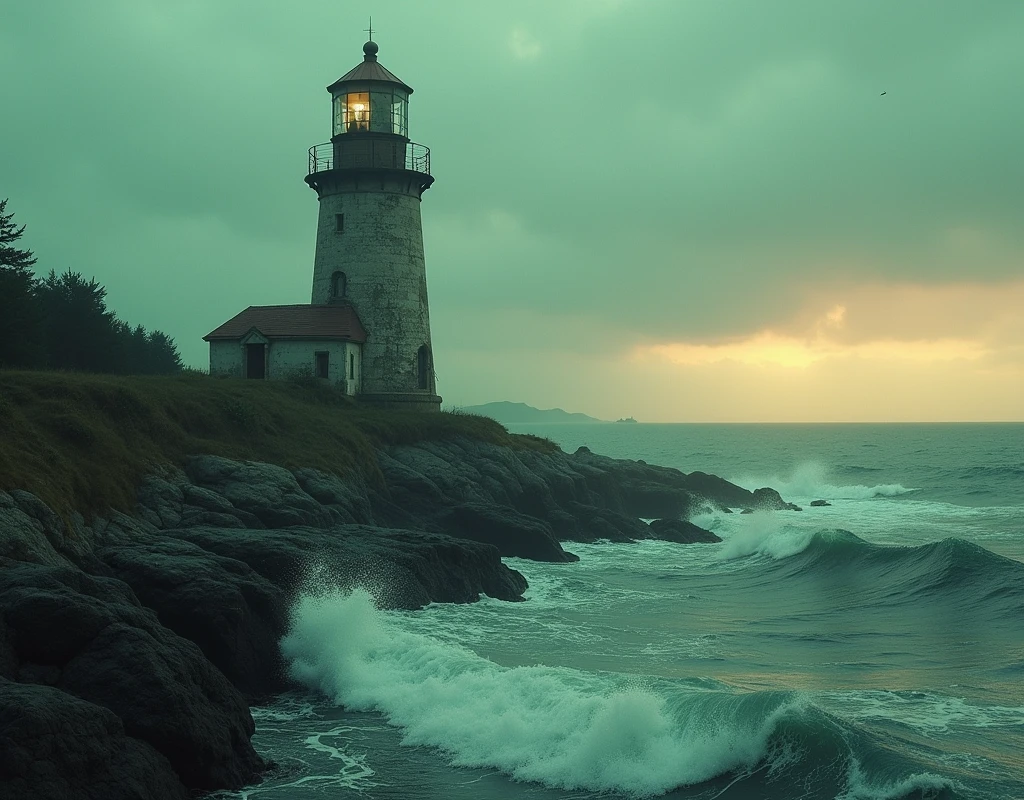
872,649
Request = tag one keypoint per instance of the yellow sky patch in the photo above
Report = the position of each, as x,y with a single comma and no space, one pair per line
771,349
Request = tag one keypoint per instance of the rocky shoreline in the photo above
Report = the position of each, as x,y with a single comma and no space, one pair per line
132,645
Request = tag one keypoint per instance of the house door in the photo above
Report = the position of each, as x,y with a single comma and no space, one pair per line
255,361
423,367
323,364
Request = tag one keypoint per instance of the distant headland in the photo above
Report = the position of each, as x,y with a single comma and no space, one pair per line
513,413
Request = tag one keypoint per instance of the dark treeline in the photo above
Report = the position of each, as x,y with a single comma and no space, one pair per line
62,321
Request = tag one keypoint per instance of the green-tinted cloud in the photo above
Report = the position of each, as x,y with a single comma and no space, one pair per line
666,170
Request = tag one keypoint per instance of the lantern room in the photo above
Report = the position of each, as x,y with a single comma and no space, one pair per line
370,99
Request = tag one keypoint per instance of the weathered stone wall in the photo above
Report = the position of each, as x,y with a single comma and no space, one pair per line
380,251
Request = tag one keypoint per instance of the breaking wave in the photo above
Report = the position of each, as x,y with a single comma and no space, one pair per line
951,571
572,729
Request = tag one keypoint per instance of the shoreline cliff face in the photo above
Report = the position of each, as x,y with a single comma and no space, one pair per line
152,631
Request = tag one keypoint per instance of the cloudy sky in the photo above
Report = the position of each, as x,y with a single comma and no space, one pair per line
680,210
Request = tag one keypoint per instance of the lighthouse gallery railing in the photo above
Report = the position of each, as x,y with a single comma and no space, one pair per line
372,153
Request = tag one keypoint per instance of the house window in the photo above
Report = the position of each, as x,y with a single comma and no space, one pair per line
423,367
339,223
323,362
339,284
351,366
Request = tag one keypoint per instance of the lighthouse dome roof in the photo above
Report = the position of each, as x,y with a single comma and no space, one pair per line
370,70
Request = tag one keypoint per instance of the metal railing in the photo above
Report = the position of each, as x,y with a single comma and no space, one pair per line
369,153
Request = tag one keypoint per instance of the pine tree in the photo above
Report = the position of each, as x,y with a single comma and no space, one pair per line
62,321
21,318
80,332
163,354
11,257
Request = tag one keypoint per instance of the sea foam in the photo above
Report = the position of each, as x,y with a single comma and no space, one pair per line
811,481
561,727
763,533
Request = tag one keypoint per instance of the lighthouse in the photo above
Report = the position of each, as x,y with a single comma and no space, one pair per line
370,179
366,329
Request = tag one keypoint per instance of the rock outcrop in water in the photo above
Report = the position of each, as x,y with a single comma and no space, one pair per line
130,645
683,532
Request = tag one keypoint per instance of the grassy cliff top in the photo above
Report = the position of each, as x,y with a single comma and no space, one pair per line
83,442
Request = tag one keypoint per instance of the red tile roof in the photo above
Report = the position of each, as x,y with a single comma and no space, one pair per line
294,322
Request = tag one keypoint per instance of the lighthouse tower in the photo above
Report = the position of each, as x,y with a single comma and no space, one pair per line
370,179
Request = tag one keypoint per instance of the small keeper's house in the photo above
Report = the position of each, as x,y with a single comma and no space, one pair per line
282,341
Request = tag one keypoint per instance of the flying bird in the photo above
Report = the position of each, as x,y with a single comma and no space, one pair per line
881,94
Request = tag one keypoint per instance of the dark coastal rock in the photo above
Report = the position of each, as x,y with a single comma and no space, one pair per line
26,535
819,503
682,531
58,747
233,614
140,630
347,502
766,499
402,569
161,500
513,534
718,491
423,477
657,499
268,492
595,524
88,637
564,491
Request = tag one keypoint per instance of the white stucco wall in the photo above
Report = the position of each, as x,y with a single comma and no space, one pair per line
288,357
226,358
354,365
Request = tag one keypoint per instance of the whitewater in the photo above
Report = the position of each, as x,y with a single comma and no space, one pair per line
871,649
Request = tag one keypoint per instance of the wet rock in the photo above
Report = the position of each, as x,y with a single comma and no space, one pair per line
24,537
594,524
346,500
766,499
582,497
233,614
717,491
682,531
58,747
217,552
266,491
819,503
403,569
88,637
513,534
161,499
